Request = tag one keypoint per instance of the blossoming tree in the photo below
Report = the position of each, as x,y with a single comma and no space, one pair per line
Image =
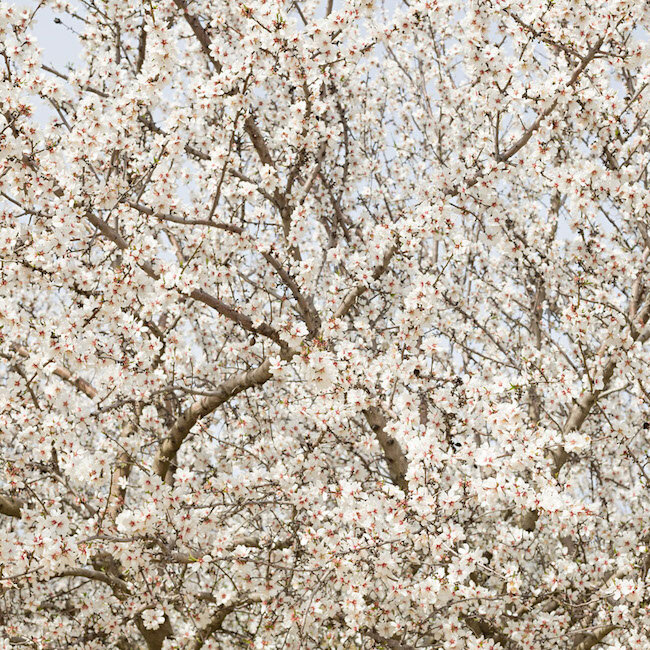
324,325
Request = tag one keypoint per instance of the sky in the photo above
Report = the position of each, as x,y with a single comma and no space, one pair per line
60,45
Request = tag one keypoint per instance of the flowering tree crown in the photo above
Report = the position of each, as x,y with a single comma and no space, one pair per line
324,324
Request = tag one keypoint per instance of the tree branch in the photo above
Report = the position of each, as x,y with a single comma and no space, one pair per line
199,295
10,506
199,32
391,644
595,638
183,425
528,134
585,403
214,625
116,584
393,452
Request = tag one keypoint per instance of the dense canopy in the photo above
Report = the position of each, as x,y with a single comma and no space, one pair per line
324,324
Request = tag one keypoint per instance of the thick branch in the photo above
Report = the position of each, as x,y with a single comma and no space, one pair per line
197,294
393,452
10,507
595,638
214,625
117,493
203,38
155,638
199,32
489,631
305,304
183,425
392,644
116,584
257,139
80,384
237,317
